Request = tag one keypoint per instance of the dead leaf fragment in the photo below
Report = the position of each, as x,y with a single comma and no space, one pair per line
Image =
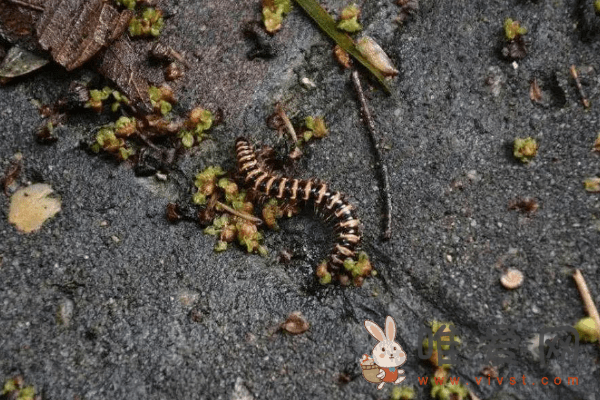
19,62
535,93
295,323
342,56
31,206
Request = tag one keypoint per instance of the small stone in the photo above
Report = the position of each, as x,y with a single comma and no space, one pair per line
64,315
307,83
115,239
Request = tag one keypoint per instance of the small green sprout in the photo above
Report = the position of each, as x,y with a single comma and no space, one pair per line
525,149
513,29
161,98
322,273
220,246
119,99
249,236
149,24
592,185
219,223
315,127
127,3
273,12
187,138
232,195
271,212
362,267
434,359
199,121
125,126
98,96
597,6
349,19
107,140
449,391
403,393
206,183
586,327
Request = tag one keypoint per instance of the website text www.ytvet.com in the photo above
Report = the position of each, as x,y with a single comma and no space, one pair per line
480,380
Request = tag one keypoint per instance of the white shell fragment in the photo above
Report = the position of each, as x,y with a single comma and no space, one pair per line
512,279
31,206
376,56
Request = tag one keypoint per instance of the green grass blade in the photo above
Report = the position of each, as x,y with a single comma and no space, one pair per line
329,26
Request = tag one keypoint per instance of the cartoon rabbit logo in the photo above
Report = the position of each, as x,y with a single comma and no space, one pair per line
387,355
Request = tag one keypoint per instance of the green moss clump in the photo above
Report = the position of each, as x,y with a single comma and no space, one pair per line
271,212
125,126
161,99
525,149
403,393
15,388
349,19
449,391
97,98
323,274
130,4
107,140
150,23
206,183
273,12
434,359
199,121
513,29
314,128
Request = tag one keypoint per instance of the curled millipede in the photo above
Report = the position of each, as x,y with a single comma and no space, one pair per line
332,204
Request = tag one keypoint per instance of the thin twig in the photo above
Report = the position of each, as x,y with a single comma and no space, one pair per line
296,153
288,123
240,214
383,172
23,4
584,99
586,296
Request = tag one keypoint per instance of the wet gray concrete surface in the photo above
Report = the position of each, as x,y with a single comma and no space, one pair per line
133,279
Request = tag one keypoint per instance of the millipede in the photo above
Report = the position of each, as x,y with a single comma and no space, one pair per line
332,204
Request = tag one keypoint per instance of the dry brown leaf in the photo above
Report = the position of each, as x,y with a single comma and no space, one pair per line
31,206
535,93
295,323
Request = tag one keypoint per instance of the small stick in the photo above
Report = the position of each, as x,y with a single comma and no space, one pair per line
147,141
287,122
296,153
23,4
584,99
383,171
586,296
239,213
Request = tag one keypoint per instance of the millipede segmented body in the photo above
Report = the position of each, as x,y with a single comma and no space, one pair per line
332,204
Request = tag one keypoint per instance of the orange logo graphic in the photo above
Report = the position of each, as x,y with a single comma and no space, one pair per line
387,355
